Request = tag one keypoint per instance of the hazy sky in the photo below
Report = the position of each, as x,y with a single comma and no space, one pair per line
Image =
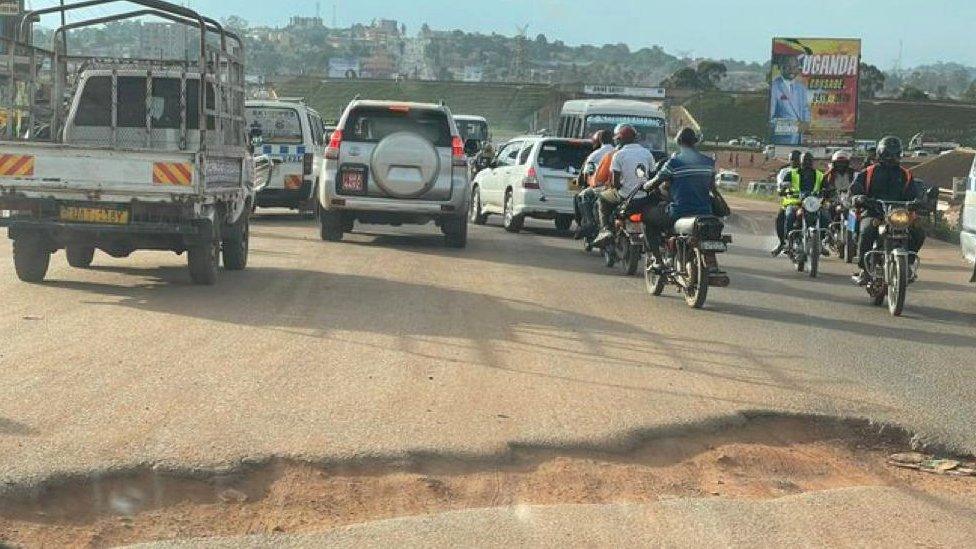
932,30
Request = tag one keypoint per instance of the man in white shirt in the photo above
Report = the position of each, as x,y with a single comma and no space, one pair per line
631,167
585,201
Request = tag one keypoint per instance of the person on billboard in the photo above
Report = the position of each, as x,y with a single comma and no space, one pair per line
790,105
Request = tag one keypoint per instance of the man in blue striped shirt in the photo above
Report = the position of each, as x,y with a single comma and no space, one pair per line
690,176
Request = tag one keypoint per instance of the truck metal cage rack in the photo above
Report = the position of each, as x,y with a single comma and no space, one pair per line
37,85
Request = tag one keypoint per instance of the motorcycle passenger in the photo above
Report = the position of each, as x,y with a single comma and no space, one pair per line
840,176
690,176
804,182
629,161
783,182
886,180
839,179
585,201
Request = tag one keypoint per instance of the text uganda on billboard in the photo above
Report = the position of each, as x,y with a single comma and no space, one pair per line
814,91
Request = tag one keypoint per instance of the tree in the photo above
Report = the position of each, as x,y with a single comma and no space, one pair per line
969,95
871,82
710,73
683,79
911,93
705,78
236,23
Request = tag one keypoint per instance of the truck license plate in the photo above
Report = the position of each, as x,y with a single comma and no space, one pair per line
86,214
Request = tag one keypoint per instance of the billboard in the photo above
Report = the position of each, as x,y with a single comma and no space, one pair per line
814,91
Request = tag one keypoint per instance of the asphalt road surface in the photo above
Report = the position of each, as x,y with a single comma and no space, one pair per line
388,344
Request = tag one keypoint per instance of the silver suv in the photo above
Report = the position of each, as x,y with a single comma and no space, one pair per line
395,163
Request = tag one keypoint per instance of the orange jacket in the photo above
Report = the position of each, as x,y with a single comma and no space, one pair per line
603,175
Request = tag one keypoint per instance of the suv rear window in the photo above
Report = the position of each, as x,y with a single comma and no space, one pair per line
562,155
373,124
278,125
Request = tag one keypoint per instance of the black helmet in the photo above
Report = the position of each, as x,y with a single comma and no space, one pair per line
889,149
795,157
687,137
807,160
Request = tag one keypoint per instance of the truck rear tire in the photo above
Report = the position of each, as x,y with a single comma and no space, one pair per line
236,244
202,260
455,231
332,225
80,257
31,259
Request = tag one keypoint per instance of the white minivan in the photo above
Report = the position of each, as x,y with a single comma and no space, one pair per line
580,119
531,176
968,236
293,136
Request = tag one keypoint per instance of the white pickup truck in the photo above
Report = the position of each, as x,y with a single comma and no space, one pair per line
131,162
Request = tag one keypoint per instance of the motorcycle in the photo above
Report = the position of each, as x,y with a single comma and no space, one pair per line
891,267
840,237
691,260
627,246
804,242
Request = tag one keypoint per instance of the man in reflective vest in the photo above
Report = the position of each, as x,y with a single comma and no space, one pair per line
886,180
805,181
782,183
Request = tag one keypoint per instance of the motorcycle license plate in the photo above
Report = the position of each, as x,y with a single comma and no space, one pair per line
714,246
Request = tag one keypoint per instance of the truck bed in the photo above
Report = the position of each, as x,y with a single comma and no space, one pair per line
43,170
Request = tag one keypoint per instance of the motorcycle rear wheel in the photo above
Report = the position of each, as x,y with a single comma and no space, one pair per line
653,281
696,273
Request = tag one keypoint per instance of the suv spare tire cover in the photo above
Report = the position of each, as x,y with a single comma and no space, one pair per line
405,165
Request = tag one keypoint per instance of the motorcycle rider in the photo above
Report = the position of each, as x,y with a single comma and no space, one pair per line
631,160
585,201
885,180
690,176
804,182
783,182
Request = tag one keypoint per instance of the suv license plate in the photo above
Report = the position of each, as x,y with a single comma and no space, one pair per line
101,216
714,246
353,181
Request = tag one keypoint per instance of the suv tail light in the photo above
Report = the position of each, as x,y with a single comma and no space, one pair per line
531,180
457,151
308,163
332,151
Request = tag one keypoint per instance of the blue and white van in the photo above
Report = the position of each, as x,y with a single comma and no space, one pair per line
968,235
293,136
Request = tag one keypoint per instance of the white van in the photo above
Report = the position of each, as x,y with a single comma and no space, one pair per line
293,136
580,119
968,236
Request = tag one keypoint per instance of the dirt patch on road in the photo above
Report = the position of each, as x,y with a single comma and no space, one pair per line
764,457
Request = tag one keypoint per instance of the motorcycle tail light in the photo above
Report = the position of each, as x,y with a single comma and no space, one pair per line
636,218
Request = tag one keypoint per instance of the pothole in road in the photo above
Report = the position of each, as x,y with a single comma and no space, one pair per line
765,457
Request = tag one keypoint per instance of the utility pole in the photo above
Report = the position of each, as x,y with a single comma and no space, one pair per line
64,34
